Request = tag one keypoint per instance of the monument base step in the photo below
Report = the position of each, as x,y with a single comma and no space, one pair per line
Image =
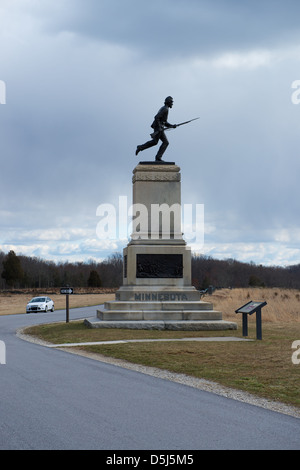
201,325
156,315
115,305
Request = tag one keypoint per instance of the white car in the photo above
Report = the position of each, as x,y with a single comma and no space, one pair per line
40,304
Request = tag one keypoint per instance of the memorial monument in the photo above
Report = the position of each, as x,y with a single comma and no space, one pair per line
157,291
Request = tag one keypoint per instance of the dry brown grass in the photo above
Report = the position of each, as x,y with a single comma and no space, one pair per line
283,305
14,303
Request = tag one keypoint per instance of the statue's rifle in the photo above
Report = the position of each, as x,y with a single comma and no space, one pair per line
182,123
176,125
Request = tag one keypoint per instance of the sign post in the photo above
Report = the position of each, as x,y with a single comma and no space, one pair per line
248,309
67,291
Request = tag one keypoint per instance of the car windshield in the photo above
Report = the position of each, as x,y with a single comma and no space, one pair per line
38,299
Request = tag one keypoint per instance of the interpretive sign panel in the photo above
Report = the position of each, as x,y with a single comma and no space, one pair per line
250,307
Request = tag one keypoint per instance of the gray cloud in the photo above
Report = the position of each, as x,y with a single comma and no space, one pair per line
84,80
179,28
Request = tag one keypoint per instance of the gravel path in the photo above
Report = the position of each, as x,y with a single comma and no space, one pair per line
201,384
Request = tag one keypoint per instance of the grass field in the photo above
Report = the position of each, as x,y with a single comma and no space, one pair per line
264,368
283,305
11,303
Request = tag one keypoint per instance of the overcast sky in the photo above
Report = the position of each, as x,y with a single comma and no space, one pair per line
80,83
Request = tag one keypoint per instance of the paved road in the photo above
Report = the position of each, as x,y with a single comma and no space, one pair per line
50,399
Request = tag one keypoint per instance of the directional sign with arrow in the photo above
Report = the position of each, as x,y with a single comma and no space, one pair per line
66,290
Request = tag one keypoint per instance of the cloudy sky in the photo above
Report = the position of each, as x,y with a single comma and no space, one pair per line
80,82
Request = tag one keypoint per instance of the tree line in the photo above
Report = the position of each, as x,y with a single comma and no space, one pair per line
31,272
232,273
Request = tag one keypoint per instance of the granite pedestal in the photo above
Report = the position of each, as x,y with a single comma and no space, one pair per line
157,292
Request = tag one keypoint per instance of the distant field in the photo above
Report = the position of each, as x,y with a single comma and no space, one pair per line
13,303
283,305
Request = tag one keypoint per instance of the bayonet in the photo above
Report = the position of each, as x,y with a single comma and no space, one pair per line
169,128
186,122
181,123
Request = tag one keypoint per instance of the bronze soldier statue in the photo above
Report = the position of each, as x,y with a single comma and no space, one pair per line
159,124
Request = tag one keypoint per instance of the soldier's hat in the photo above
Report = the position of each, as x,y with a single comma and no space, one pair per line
169,99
